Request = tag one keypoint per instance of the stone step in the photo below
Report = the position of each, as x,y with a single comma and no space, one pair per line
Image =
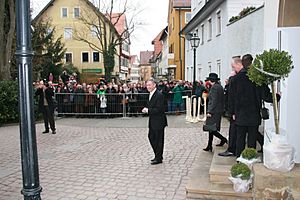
220,167
200,186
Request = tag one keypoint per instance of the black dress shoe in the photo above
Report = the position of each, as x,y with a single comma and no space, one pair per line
46,131
54,132
222,142
208,148
152,159
155,162
226,154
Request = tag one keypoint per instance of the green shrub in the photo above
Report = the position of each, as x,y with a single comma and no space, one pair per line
240,170
8,102
249,153
275,62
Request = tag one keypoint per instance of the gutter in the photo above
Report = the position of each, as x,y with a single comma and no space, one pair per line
202,14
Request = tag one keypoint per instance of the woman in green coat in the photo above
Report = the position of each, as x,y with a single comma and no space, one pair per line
177,100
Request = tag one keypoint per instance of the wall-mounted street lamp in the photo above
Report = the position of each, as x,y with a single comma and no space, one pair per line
195,41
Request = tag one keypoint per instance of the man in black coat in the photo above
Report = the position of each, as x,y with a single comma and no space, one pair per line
245,103
157,121
46,105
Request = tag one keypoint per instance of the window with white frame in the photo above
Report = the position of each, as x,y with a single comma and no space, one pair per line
209,29
188,17
219,67
68,32
64,12
96,56
85,57
209,67
202,34
69,57
76,12
219,24
199,72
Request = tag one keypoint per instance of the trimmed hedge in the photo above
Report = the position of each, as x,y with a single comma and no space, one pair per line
9,111
9,102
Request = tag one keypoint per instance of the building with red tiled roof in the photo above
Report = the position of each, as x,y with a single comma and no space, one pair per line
145,65
120,23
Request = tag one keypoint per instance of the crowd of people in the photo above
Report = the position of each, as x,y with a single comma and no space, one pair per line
112,99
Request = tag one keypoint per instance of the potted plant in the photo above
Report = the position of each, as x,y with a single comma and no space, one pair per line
248,157
267,68
241,177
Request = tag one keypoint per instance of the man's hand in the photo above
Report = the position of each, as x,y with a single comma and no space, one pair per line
145,110
208,115
233,117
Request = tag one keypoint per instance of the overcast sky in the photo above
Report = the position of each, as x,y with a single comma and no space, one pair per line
152,19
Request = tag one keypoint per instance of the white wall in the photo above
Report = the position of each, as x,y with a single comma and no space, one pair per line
289,103
246,35
164,60
211,51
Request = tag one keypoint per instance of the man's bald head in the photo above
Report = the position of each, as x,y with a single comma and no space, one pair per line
237,64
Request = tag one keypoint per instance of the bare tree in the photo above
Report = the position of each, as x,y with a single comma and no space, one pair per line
101,24
7,31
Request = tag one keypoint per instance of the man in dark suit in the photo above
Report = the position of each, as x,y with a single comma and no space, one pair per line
245,101
157,121
46,105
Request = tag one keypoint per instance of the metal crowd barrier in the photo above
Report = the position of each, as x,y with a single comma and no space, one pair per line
113,104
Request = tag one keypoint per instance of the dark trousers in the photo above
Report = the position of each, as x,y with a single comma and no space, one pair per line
241,138
48,115
211,137
232,137
156,138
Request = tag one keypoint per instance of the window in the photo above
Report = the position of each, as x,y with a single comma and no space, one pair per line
64,12
202,34
95,31
209,29
219,25
188,17
76,12
173,23
96,57
219,67
199,72
68,32
69,57
85,57
171,49
209,67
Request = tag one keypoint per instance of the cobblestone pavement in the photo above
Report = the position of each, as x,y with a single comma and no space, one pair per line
104,159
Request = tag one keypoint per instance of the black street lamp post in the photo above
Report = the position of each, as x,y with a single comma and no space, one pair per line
30,171
195,41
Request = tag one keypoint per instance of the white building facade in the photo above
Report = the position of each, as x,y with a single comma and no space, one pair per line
218,37
163,63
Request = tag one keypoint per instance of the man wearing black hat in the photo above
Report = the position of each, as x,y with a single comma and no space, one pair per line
46,105
215,110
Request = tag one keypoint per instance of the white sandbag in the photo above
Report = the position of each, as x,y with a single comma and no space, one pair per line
240,185
278,154
247,162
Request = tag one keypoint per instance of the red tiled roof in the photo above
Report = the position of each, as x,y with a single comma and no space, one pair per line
119,21
158,45
145,56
